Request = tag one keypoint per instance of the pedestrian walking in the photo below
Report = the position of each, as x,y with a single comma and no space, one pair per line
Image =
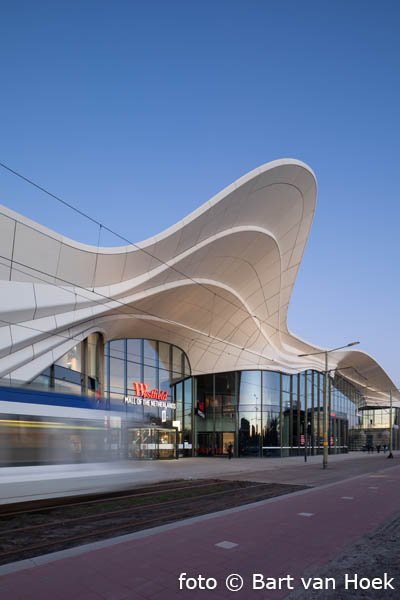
230,451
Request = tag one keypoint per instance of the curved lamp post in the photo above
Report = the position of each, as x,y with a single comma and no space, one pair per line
325,421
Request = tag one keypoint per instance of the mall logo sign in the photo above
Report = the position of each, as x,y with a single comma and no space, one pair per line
144,396
141,389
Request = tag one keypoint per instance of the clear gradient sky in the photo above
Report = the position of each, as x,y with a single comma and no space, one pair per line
137,112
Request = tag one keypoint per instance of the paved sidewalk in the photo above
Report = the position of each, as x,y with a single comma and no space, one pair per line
279,537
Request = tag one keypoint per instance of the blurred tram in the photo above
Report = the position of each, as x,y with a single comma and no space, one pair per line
43,428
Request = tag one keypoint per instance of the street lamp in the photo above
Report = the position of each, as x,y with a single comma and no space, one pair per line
325,417
391,424
391,427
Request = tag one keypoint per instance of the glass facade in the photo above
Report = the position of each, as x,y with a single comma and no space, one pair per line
266,413
167,413
377,423
380,418
139,374
153,366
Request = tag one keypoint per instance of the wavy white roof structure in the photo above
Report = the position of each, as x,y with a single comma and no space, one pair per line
217,284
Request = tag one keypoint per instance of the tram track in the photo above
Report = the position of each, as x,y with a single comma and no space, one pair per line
46,528
32,506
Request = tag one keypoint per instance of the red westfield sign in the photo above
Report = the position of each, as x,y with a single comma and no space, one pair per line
142,390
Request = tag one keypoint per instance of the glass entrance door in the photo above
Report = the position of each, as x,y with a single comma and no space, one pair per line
166,439
228,440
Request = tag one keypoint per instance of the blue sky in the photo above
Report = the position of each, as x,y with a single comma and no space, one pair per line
138,112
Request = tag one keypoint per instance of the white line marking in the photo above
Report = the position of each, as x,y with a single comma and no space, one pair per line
347,498
226,545
303,514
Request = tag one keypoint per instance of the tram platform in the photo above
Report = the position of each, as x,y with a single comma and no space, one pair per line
19,484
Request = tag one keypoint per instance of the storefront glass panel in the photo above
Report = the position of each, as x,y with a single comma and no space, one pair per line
268,421
137,367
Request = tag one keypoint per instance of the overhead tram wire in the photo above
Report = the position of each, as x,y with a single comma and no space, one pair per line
125,239
42,189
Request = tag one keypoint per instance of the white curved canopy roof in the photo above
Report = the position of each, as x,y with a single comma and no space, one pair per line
217,284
